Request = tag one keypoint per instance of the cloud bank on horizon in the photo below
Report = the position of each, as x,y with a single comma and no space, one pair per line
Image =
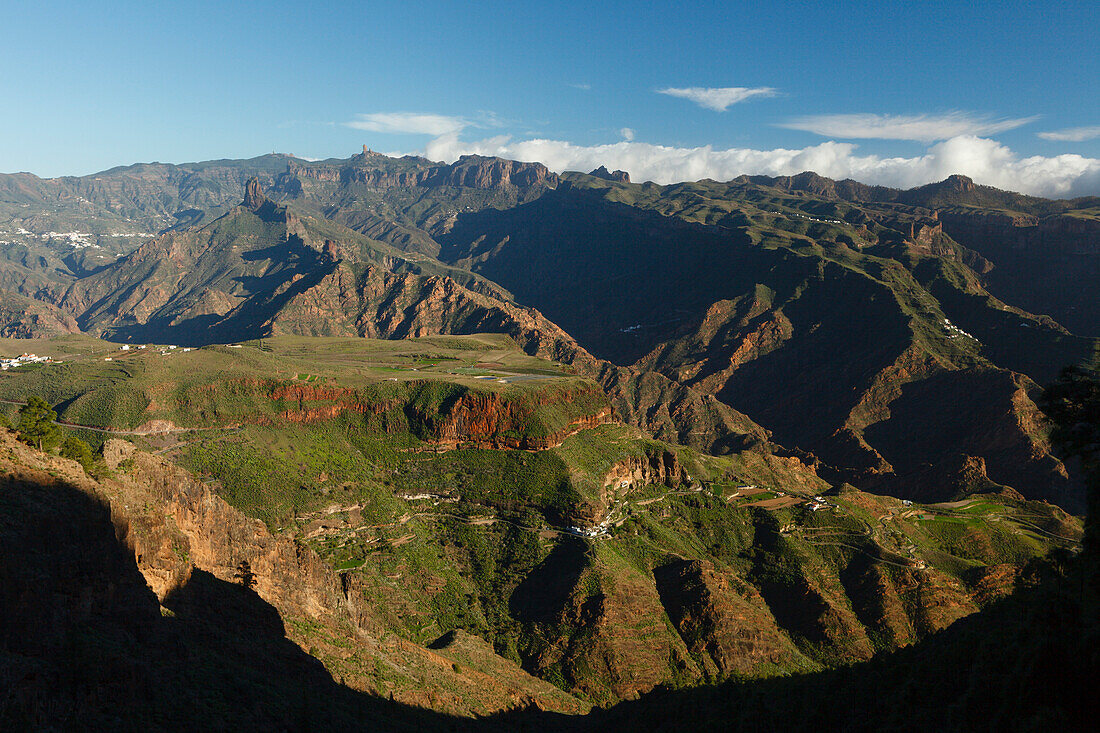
987,161
957,143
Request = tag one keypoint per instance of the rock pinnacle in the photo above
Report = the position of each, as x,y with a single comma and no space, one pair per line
253,195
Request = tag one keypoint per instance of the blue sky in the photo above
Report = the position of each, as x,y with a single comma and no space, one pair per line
834,86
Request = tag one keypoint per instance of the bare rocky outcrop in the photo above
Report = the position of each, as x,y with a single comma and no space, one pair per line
219,538
253,195
23,317
1063,234
656,467
475,171
376,171
488,420
616,176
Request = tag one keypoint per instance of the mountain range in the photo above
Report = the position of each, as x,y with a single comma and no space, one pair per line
893,339
480,437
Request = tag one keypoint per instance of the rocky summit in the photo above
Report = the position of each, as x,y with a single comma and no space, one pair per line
386,442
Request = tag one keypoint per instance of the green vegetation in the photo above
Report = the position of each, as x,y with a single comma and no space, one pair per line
215,385
76,449
275,474
35,425
400,467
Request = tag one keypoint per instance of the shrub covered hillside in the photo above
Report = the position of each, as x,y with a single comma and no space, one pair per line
465,496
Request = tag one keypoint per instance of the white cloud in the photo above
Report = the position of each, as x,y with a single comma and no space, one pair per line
582,87
922,128
718,98
986,161
1072,134
627,133
414,123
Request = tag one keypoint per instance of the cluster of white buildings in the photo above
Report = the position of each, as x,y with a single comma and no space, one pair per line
167,349
818,503
76,240
436,499
954,331
7,363
597,531
814,218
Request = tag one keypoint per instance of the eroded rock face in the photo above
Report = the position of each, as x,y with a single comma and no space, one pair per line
1055,234
487,420
332,251
375,171
657,467
253,195
22,317
475,171
620,646
116,451
218,538
468,417
617,176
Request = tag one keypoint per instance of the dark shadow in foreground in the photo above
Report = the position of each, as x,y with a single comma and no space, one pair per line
85,645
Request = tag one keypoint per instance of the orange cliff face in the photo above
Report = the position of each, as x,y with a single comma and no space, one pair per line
478,419
489,420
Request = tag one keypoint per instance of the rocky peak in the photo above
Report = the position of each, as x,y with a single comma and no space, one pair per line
958,183
366,155
332,251
253,194
813,183
619,176
476,171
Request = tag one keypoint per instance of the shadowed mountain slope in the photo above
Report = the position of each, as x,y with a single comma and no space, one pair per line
785,310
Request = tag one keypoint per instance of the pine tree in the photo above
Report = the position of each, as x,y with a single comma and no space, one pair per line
245,576
36,423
